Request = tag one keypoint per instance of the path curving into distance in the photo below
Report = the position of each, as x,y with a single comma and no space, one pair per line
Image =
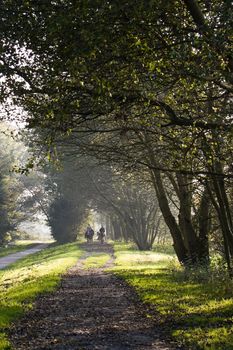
11,258
92,309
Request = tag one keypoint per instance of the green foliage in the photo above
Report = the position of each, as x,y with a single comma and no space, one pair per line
133,209
10,187
196,313
147,87
69,196
63,221
19,194
23,281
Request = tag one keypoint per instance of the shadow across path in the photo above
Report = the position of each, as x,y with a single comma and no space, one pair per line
92,309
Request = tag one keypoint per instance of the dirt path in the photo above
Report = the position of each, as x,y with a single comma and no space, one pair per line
92,309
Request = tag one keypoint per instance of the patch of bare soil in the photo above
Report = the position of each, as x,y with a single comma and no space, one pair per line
92,309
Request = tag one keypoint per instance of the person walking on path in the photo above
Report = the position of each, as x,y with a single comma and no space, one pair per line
101,234
89,234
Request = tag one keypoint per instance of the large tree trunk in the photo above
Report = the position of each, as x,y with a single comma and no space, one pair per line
187,229
224,219
179,245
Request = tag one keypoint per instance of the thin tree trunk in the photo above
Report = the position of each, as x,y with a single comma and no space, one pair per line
204,224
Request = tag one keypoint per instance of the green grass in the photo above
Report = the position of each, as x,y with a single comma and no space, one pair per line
167,249
24,280
16,248
199,315
96,260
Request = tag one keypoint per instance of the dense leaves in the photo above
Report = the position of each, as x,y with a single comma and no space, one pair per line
144,86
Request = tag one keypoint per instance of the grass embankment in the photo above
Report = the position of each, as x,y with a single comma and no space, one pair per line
24,280
199,315
19,246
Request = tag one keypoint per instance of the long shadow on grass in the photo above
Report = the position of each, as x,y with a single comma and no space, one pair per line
195,311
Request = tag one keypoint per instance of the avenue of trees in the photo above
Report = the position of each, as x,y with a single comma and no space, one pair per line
132,212
20,195
142,89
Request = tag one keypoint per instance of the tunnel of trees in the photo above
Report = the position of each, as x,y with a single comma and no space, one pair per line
134,104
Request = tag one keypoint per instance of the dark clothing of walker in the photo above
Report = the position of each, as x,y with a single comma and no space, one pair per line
89,234
101,234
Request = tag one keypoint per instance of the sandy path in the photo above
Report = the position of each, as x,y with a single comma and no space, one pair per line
92,309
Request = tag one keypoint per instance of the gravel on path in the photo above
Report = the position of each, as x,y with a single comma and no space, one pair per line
92,309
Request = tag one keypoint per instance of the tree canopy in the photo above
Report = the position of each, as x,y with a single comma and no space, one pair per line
143,87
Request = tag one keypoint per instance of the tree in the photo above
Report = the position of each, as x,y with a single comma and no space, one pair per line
62,220
69,200
147,72
16,202
130,203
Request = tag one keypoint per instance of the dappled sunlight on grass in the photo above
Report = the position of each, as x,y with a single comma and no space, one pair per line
20,246
36,265
21,282
183,306
96,260
220,338
142,258
125,247
4,343
139,259
167,249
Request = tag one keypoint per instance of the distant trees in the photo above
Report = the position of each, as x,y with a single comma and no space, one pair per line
10,187
147,89
68,200
5,224
63,220
130,204
82,184
16,201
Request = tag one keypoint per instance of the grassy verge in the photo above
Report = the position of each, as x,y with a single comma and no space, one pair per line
16,248
96,260
24,280
199,315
